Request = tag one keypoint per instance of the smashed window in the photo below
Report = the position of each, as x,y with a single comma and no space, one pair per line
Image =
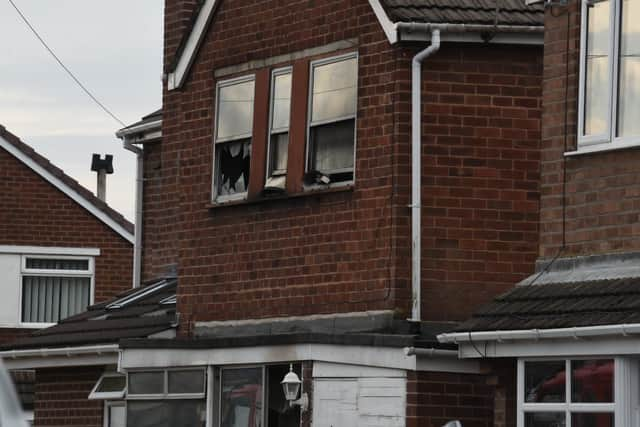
234,127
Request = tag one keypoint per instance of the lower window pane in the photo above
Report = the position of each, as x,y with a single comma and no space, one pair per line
241,400
628,105
50,299
279,153
166,413
596,93
592,380
332,147
233,164
591,420
544,419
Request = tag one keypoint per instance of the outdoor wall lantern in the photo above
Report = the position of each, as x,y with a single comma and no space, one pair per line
291,386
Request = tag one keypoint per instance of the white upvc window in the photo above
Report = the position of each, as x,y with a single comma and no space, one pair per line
576,392
232,140
333,100
609,107
54,288
279,123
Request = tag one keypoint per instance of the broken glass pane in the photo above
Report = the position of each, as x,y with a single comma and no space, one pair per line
232,167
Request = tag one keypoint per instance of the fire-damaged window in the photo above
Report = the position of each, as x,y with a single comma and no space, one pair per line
280,110
253,397
332,120
166,398
234,126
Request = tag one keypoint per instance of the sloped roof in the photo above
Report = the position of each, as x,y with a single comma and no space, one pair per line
561,305
69,186
481,12
138,313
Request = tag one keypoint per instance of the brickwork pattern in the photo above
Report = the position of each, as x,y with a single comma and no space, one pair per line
350,251
34,213
602,201
61,397
435,398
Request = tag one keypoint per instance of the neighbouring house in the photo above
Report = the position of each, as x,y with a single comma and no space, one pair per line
570,330
61,248
330,185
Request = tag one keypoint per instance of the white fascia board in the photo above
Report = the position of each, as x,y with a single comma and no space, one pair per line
57,357
389,28
47,250
380,357
606,347
144,127
177,77
60,185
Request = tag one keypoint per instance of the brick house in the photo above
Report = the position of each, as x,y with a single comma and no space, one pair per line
61,248
570,331
276,186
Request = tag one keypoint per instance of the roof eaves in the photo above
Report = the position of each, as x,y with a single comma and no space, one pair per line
69,186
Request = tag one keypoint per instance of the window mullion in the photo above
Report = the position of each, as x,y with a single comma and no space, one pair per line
614,68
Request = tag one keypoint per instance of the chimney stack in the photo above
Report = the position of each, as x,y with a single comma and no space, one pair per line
102,167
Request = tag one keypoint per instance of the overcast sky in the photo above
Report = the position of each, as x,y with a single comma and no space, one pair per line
115,48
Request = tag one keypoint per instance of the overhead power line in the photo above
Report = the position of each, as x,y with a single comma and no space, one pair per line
64,67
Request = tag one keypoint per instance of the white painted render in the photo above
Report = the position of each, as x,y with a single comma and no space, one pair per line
10,288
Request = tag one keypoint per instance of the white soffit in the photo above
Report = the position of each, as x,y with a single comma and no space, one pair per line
70,192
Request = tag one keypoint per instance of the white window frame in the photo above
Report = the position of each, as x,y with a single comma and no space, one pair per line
275,131
108,395
354,116
110,404
625,392
263,415
24,271
608,140
165,395
221,84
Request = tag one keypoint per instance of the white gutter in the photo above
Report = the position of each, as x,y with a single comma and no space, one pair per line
141,128
137,245
430,352
64,351
538,334
416,170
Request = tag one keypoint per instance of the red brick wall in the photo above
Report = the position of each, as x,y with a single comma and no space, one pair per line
481,172
35,213
350,251
603,189
61,397
435,398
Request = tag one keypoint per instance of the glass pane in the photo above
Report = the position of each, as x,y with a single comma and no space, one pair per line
281,101
279,152
166,413
592,381
146,383
334,90
57,264
117,416
50,299
629,84
597,81
241,398
544,419
181,382
332,147
233,165
544,381
591,420
111,384
235,110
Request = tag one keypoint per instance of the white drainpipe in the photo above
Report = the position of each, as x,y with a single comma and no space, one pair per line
137,247
416,169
